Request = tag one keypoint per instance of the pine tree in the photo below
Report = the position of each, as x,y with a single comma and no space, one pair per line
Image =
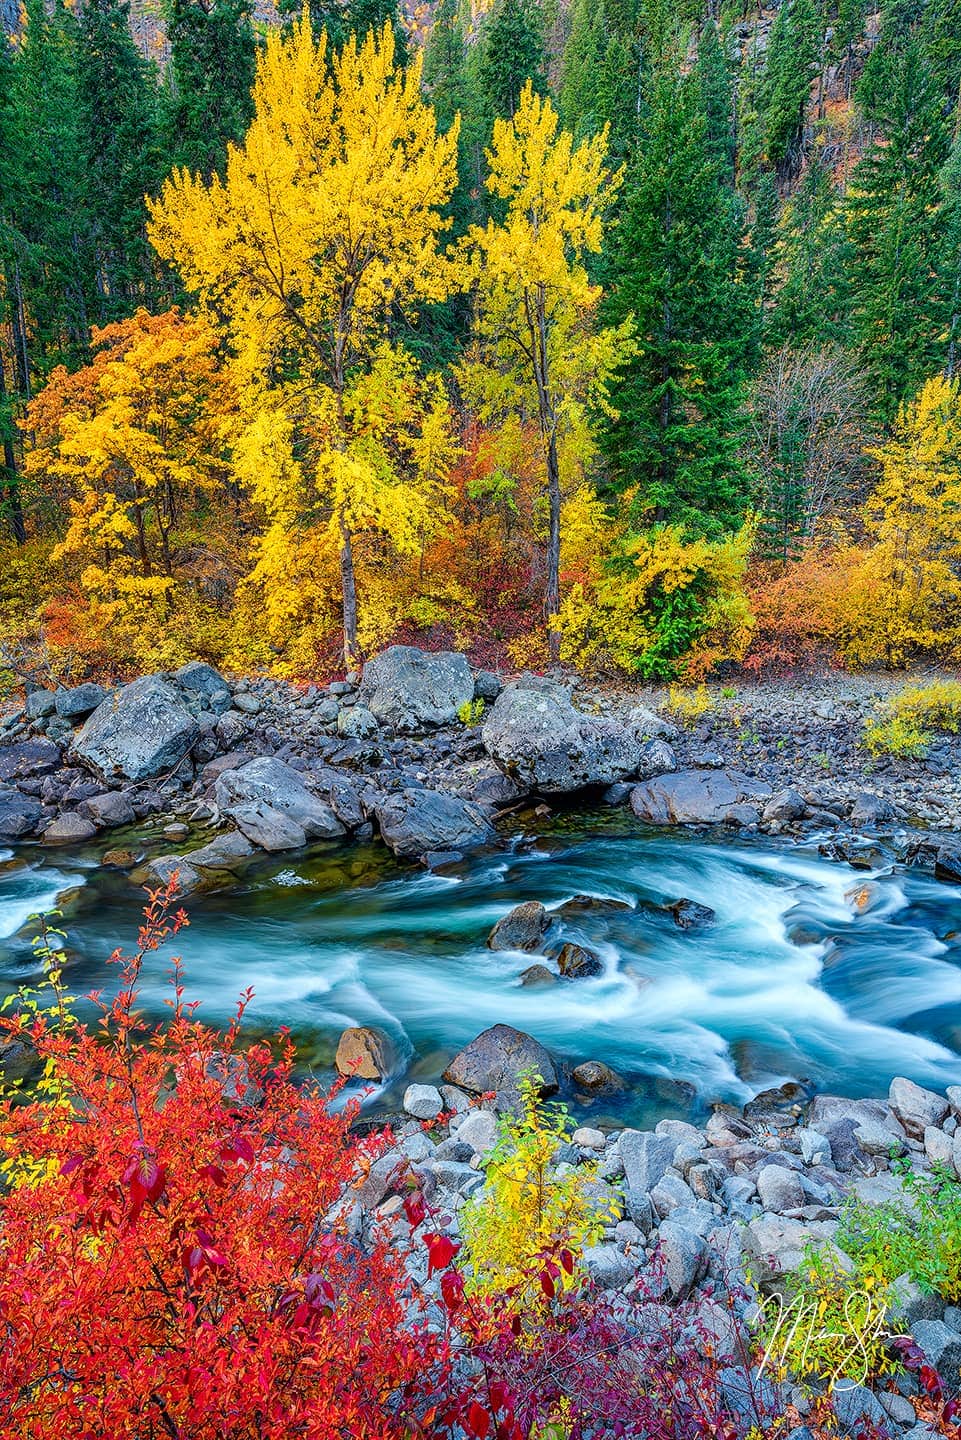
512,52
792,62
717,92
814,261
679,402
950,179
209,79
120,136
896,224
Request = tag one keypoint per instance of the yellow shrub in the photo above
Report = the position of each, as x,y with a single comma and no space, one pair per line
911,717
526,1211
689,705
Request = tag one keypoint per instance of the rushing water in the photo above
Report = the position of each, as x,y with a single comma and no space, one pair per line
793,980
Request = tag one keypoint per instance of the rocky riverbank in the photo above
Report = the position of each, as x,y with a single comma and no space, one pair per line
428,754
717,1217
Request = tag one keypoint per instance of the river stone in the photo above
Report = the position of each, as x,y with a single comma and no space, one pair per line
38,704
682,1253
870,809
536,975
415,822
595,1075
411,689
522,928
266,827
141,731
69,829
355,722
576,962
424,1102
364,1053
646,1158
19,814
28,759
608,1266
495,1060
201,681
916,1107
779,1188
942,1348
110,809
80,702
224,852
947,862
689,915
479,1130
699,797
269,782
536,737
167,868
785,805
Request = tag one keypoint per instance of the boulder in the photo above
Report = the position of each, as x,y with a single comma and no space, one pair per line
538,975
410,689
355,722
414,822
780,1189
646,1158
479,1130
141,731
495,1060
20,815
80,702
487,686
266,782
167,868
699,797
916,1107
28,759
608,1266
522,928
224,852
364,1053
871,810
947,862
38,704
269,829
576,962
109,810
536,737
784,806
595,1075
681,1252
203,683
69,829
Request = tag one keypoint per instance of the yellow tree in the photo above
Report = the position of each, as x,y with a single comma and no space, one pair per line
912,574
126,444
323,233
537,350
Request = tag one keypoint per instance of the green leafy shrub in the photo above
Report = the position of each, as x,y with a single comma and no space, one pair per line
471,712
921,1239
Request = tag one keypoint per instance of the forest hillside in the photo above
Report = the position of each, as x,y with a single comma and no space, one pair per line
623,333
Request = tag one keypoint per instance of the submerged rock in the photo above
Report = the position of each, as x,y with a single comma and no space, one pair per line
536,737
410,689
522,928
141,731
689,915
577,962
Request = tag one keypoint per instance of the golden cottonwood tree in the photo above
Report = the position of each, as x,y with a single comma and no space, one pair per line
325,228
537,351
910,580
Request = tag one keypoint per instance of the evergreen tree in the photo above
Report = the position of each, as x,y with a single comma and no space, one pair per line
209,79
717,91
792,62
120,138
896,223
951,256
343,18
813,259
511,52
673,444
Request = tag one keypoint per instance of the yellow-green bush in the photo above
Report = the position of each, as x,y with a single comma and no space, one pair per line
525,1210
909,719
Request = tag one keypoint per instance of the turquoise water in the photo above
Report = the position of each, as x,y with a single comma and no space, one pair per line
793,981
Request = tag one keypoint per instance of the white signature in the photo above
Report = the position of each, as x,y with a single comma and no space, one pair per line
794,1327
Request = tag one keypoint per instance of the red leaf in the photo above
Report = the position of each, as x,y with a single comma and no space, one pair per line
452,1289
567,1261
547,1284
477,1421
414,1208
440,1251
930,1379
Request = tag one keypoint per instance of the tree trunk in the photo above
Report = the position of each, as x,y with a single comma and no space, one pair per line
9,482
349,592
552,594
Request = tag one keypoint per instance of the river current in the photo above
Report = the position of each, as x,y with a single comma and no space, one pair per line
811,971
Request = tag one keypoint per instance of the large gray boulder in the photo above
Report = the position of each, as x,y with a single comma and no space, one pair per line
495,1061
204,686
699,797
415,822
20,815
80,702
268,785
537,738
141,731
410,689
522,928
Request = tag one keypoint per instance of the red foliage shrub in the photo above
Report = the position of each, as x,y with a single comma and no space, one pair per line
173,1264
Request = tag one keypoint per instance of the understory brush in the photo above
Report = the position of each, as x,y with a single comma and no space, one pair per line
920,1238
907,723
